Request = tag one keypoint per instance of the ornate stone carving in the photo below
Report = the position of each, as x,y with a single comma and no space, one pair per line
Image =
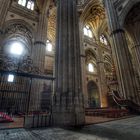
16,65
17,30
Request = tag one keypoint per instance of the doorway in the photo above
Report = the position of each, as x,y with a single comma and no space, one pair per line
93,95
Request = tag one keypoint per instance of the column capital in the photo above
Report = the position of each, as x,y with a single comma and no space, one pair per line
135,46
39,42
117,31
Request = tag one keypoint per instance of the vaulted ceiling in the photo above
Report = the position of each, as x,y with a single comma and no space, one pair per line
52,25
41,4
92,13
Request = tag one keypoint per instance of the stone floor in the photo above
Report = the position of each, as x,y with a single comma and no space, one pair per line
100,119
18,122
125,129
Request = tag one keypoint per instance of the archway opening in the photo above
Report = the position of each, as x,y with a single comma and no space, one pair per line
93,95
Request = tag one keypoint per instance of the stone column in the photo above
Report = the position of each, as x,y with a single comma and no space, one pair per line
83,63
39,49
134,31
122,59
102,79
68,107
4,5
38,56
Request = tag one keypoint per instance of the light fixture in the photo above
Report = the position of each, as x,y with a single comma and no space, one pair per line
16,48
10,78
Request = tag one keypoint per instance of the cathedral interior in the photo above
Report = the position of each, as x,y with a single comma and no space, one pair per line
63,61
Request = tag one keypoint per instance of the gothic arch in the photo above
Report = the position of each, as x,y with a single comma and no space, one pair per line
88,6
22,22
19,30
94,15
91,58
90,54
126,10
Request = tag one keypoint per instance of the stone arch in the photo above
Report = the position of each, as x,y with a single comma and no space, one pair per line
93,94
91,52
19,30
126,10
91,57
19,21
88,7
94,14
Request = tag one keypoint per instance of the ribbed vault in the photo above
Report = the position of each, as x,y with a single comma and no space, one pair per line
52,25
94,15
47,6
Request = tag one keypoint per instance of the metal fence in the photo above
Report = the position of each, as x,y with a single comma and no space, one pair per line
25,92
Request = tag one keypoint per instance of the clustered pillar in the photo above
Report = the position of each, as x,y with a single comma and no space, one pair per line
122,59
68,106
38,56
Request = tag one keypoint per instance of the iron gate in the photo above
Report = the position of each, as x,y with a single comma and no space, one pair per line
24,90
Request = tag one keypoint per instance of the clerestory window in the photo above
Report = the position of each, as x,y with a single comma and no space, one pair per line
87,31
22,2
49,46
91,67
27,3
103,40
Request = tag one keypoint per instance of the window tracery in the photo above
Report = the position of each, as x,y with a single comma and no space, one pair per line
16,30
22,2
27,3
87,31
103,40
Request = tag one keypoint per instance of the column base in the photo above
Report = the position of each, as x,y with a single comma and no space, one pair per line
104,101
68,118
